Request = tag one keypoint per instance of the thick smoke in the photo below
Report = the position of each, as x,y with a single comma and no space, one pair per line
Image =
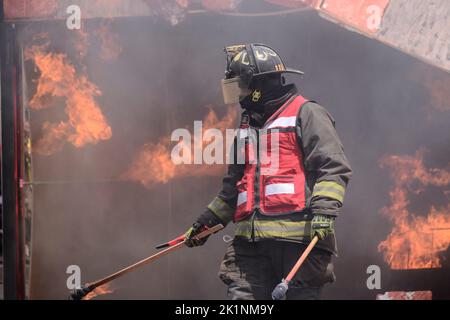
163,79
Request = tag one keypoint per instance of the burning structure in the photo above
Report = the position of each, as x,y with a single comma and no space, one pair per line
87,115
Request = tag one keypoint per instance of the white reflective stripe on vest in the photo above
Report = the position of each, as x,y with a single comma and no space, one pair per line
242,198
283,122
279,188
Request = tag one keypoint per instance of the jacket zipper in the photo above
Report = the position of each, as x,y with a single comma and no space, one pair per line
256,206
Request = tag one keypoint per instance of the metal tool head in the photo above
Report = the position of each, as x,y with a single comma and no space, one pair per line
78,294
279,293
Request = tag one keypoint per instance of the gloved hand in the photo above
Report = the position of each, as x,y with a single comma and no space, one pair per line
322,226
206,220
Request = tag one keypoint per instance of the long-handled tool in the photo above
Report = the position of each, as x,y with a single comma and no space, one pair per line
279,293
173,245
171,242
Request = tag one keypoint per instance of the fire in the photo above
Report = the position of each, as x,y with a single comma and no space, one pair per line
104,289
153,164
415,241
401,295
86,123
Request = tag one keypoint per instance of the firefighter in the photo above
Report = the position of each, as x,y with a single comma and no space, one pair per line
277,210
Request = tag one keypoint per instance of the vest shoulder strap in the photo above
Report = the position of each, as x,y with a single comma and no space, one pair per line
287,115
294,107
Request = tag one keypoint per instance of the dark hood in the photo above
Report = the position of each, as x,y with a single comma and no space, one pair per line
270,101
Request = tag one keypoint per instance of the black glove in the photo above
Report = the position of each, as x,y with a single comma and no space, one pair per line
206,220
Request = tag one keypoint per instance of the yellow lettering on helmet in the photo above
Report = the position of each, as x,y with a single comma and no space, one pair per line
235,48
261,56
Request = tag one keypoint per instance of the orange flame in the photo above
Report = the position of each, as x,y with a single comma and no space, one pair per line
153,164
58,78
415,241
401,295
104,289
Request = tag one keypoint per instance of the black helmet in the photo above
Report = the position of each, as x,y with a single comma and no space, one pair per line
246,63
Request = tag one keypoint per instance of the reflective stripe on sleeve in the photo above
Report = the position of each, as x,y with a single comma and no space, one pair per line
221,209
329,189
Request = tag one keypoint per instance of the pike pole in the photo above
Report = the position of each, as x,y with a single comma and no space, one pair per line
279,293
173,245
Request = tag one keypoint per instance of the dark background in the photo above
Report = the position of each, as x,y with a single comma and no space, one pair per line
164,79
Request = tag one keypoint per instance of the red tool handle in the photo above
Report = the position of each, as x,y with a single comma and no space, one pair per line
179,239
301,259
171,242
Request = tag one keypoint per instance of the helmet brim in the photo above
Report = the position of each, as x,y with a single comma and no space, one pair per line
287,70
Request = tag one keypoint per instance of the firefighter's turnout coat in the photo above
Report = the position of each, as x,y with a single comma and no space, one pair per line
285,170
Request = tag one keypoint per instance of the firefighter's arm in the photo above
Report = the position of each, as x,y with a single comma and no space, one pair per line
325,162
224,204
222,207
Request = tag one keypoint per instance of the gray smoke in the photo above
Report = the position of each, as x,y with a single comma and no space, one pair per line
163,80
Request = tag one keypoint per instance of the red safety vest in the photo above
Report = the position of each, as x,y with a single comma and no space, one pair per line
274,187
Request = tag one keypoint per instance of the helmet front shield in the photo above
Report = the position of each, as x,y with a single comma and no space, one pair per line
234,90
